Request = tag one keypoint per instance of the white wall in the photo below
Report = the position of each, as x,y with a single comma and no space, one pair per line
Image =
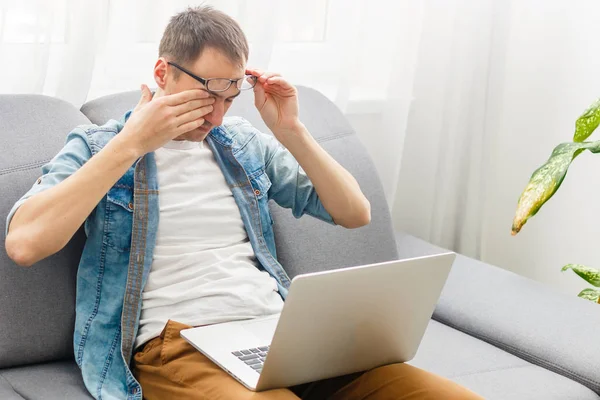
545,72
551,76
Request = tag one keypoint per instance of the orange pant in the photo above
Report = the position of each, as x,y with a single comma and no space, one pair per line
168,367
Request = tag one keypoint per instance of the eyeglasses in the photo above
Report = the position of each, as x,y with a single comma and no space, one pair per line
220,84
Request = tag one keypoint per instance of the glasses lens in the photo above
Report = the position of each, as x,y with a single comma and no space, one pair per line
218,85
248,82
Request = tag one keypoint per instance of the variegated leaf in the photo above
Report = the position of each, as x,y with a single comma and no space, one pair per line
590,275
590,294
546,180
587,123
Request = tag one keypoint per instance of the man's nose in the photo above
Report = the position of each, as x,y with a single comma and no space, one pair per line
215,117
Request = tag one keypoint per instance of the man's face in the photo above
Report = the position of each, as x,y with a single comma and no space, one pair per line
211,64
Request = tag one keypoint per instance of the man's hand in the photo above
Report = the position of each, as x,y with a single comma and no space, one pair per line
46,222
277,101
340,194
156,121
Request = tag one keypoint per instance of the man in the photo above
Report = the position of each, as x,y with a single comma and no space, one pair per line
175,204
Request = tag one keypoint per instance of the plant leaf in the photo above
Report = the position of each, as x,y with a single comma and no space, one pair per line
546,180
590,294
587,123
590,275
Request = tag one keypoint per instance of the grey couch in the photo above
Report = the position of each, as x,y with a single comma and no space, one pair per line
499,334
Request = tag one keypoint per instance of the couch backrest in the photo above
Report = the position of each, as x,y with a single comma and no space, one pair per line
307,245
36,304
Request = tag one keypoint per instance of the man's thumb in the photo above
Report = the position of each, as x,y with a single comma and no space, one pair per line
259,96
146,96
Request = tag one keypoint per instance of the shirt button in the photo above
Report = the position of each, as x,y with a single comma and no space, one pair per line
130,205
257,192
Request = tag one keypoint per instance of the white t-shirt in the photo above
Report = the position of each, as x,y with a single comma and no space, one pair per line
203,268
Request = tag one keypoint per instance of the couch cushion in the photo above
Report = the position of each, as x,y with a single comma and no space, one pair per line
525,383
7,392
37,303
524,317
553,330
50,381
307,245
490,371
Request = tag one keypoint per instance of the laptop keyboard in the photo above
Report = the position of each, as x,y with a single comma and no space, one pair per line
253,357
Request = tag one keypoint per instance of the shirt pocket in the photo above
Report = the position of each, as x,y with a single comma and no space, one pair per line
260,185
119,217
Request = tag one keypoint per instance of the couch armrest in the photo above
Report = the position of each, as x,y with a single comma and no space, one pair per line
526,318
523,317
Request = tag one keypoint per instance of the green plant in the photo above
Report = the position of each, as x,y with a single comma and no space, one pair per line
546,180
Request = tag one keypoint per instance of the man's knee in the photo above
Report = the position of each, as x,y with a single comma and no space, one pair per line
403,381
435,386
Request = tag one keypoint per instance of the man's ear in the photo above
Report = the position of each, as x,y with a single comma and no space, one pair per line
160,72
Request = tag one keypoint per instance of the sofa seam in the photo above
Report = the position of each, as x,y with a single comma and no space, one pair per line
529,365
23,167
536,360
335,136
12,387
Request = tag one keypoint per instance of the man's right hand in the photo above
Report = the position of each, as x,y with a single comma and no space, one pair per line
46,222
154,122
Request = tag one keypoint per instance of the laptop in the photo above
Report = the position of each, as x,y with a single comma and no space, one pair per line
333,323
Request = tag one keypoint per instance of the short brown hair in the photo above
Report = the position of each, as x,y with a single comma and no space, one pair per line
191,31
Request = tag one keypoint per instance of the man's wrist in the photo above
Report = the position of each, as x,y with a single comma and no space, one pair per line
123,144
292,132
299,142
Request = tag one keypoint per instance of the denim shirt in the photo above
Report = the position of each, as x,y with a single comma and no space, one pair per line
121,234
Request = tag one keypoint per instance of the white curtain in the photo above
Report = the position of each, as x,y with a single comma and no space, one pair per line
433,87
440,192
361,54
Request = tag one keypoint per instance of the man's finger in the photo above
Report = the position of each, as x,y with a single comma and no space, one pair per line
279,81
192,105
259,95
254,71
267,75
146,94
185,96
145,97
193,115
190,126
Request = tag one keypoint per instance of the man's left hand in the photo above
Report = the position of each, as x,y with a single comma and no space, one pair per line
277,101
